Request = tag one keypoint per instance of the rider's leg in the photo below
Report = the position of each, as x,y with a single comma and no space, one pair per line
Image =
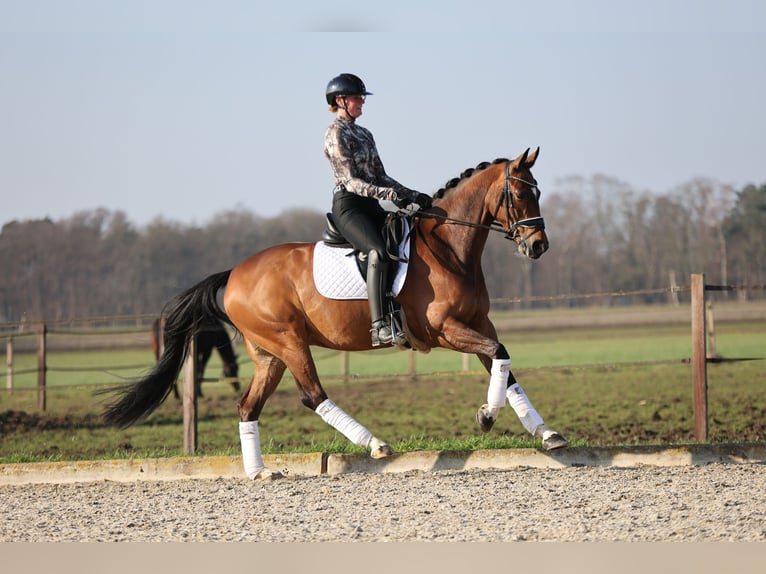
377,282
361,219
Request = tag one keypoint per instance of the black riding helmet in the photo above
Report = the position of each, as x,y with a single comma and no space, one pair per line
345,85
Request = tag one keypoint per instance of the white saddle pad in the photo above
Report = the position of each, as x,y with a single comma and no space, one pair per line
337,277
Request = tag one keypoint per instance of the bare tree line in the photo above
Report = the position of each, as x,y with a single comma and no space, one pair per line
604,235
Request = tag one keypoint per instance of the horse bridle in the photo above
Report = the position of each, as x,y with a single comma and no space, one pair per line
511,212
506,198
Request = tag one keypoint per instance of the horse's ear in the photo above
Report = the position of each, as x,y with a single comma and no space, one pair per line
523,158
530,160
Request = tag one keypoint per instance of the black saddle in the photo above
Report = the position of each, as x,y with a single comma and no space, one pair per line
332,235
393,232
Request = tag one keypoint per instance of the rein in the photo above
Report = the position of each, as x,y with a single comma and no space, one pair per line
505,200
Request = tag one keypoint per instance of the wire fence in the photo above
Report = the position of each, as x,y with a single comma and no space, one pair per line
94,335
84,338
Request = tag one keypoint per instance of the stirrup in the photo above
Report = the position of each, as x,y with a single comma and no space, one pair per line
380,334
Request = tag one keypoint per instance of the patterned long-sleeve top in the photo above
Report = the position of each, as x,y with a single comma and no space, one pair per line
355,161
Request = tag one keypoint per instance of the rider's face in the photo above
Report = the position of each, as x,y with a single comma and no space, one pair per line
354,105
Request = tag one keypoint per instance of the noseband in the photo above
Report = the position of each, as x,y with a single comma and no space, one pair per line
511,211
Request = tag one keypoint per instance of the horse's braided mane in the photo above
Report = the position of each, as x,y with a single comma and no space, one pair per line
451,184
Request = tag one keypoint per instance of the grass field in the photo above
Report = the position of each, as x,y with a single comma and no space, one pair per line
604,385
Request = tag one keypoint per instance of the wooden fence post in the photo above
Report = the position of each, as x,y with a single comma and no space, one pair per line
673,288
699,356
344,364
42,367
9,365
190,398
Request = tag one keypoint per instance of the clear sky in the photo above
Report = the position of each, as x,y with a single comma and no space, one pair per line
182,109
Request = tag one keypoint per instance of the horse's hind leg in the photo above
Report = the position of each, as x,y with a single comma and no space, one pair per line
266,377
337,418
302,366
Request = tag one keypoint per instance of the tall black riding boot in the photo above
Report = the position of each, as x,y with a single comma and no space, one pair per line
377,281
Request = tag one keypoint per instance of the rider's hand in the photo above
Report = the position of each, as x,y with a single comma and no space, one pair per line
402,200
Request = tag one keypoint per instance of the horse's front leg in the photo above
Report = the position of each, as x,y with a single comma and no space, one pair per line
341,421
502,384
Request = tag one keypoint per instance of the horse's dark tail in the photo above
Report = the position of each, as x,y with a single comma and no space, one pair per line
185,316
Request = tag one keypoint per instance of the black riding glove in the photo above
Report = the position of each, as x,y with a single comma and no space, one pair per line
401,200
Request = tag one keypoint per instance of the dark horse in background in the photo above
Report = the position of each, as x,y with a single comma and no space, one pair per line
212,335
272,299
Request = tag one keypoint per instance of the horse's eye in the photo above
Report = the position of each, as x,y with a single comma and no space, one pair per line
526,191
534,190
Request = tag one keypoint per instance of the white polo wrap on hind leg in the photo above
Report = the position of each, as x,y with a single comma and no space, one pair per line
250,439
498,384
527,414
335,416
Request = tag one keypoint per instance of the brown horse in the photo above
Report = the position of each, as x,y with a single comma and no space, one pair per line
272,300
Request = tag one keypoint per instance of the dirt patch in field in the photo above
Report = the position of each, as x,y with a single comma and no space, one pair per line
21,421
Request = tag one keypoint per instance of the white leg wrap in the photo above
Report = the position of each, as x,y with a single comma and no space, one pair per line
527,414
251,448
498,383
334,416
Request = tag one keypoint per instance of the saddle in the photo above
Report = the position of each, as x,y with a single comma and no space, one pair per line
395,230
332,259
337,276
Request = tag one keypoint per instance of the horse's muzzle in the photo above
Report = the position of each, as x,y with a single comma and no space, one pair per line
534,245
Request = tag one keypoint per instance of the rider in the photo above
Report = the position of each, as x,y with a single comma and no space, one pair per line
360,182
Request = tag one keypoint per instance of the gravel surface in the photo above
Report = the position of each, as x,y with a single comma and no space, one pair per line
716,502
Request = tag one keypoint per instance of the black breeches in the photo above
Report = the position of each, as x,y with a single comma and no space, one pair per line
360,220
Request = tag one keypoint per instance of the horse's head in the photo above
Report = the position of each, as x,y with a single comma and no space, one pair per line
503,192
517,208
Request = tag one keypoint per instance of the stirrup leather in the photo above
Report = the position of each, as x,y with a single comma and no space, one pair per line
397,331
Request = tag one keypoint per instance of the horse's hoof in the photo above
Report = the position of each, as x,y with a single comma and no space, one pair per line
382,451
555,441
484,418
268,474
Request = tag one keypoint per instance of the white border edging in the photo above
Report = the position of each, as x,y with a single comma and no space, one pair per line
316,464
